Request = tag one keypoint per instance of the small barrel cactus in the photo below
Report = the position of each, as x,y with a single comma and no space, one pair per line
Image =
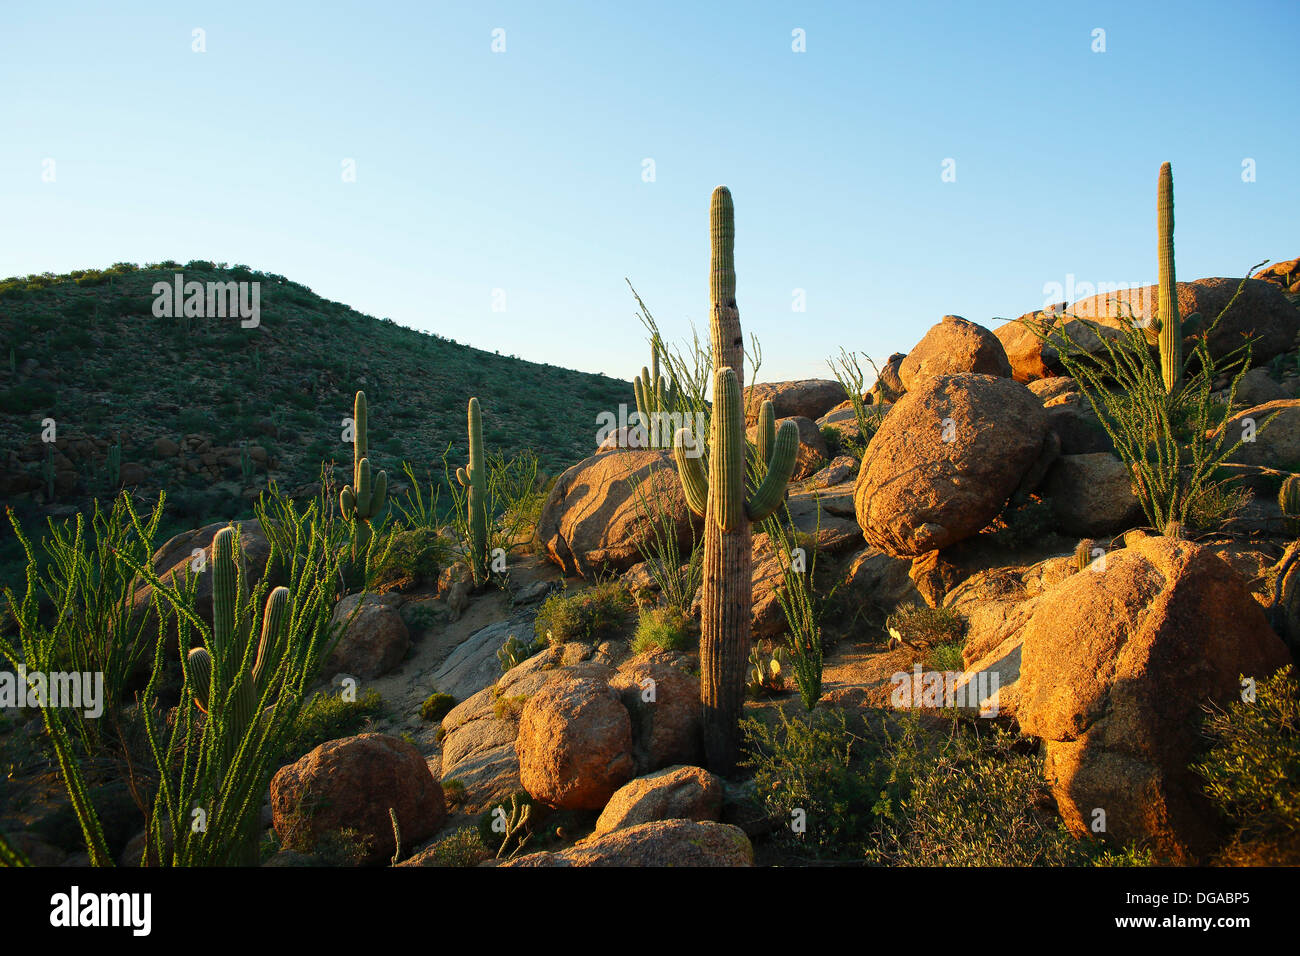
1288,499
1083,554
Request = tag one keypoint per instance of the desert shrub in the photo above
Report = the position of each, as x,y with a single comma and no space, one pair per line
662,628
1217,504
818,770
419,615
1252,771
328,717
453,790
22,399
975,797
598,612
436,706
509,707
945,656
410,558
462,848
833,438
1024,524
678,574
929,626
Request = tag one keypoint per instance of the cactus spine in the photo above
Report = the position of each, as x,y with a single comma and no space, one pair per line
1171,326
1288,499
473,478
362,500
720,498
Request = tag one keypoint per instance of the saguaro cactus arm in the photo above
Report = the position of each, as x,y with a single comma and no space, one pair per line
690,468
780,466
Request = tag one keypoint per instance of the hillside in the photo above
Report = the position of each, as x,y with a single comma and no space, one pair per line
185,396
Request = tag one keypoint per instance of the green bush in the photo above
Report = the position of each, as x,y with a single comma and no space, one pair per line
22,399
918,624
814,771
975,797
410,558
436,706
662,628
1252,771
329,717
598,612
462,848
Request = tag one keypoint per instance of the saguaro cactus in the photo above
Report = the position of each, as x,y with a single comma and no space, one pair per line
720,498
656,397
362,500
473,478
228,683
1171,325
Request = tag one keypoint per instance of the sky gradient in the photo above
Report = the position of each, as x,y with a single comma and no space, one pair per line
523,170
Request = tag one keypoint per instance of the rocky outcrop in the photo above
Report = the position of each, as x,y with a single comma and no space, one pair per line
1263,312
664,843
595,518
809,398
945,461
1092,495
375,639
1117,667
662,698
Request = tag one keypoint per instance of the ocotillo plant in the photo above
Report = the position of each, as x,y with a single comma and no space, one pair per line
362,500
720,497
473,478
1171,326
656,398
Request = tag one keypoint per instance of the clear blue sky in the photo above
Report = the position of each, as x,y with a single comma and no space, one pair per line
522,170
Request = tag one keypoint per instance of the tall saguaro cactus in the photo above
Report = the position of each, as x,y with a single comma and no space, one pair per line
1171,326
473,478
720,498
362,500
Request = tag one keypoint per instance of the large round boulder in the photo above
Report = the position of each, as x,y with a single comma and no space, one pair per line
662,697
1118,664
575,744
375,639
351,784
954,345
598,515
1092,495
675,793
946,459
